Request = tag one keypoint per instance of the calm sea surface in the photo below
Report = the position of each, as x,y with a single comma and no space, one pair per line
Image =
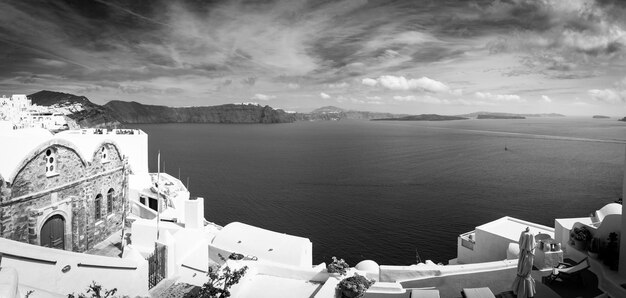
382,190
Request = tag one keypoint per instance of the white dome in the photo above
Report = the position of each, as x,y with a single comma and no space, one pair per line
368,266
512,252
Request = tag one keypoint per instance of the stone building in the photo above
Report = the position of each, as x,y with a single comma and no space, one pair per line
59,191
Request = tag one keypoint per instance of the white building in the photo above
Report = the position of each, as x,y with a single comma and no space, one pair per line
21,113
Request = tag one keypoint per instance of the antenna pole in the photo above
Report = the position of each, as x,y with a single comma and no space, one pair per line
158,187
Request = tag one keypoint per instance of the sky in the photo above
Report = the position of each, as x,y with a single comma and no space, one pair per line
405,56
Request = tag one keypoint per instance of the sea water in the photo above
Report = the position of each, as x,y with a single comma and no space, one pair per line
386,190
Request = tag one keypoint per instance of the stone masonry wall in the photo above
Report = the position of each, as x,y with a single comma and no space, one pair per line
86,231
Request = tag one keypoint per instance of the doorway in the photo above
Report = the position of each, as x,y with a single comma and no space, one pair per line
53,232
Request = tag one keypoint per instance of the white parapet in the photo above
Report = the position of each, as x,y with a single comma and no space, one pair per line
194,213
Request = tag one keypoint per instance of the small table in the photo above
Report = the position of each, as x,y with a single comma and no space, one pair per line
547,259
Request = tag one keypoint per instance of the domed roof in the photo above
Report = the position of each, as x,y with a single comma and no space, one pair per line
367,266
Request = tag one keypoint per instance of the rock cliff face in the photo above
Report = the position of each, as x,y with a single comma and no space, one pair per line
133,112
115,113
85,113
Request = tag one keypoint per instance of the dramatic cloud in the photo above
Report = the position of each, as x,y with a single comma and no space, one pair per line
457,54
324,95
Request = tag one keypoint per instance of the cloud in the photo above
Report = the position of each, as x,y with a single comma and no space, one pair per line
324,95
546,98
350,99
369,82
338,85
250,81
402,83
293,86
611,96
260,96
499,97
615,95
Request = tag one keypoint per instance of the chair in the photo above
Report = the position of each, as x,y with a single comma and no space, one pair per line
477,293
568,272
424,293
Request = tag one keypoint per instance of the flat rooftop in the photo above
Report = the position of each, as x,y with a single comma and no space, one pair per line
511,228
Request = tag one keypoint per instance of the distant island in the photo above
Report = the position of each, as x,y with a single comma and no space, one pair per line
508,115
623,119
335,113
423,117
600,117
499,117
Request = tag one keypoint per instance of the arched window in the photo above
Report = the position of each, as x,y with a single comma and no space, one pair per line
110,199
98,207
104,154
51,162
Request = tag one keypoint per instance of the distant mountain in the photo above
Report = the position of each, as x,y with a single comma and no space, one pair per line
134,112
84,112
335,113
423,117
499,117
476,114
600,117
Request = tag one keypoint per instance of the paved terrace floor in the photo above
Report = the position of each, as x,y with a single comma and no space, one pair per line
110,247
500,284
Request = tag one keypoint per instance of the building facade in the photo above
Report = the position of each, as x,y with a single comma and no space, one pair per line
64,194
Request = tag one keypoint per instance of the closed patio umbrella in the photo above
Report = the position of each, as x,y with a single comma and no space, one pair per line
524,284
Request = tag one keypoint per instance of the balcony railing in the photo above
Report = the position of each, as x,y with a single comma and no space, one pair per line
468,240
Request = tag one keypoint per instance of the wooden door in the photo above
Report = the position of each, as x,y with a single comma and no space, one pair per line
53,232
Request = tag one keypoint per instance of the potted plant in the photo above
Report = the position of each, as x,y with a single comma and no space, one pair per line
594,247
354,286
580,236
339,267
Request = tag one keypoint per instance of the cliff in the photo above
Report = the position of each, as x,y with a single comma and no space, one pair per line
115,113
83,112
133,112
423,117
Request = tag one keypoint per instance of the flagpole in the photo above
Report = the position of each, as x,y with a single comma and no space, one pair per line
158,187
